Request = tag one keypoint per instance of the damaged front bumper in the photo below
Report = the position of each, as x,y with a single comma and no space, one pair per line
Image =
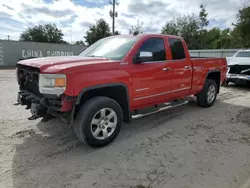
238,78
238,74
45,107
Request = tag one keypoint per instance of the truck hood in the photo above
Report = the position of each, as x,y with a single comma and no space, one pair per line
238,61
61,62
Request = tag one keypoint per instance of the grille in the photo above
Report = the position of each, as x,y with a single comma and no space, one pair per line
237,69
28,79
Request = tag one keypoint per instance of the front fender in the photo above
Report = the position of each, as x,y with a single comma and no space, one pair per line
78,99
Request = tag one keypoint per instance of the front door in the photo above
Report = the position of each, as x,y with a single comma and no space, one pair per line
151,79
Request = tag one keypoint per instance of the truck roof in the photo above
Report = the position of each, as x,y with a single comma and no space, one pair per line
146,35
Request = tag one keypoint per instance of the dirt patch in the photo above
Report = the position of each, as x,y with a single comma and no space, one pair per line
243,116
22,134
194,129
216,138
244,138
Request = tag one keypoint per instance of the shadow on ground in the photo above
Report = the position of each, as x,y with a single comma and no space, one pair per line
241,87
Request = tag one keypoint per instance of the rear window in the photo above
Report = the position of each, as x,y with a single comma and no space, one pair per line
177,48
243,54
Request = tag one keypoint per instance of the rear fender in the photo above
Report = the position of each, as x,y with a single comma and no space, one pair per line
217,80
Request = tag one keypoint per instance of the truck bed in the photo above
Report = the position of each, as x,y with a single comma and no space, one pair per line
203,65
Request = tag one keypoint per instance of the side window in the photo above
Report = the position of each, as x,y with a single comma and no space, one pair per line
176,48
156,47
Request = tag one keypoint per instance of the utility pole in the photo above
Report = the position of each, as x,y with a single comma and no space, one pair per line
113,14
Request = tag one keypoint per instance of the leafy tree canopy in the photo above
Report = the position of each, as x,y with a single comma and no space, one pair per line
43,33
98,31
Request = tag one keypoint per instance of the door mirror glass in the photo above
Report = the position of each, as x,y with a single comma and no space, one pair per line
144,57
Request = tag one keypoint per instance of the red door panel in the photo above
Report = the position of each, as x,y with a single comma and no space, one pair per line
150,82
182,77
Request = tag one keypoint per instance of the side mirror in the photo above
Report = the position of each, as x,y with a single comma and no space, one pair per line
144,57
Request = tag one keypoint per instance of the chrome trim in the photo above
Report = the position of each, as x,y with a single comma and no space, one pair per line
187,67
142,89
166,68
159,110
238,76
159,94
149,62
247,70
164,61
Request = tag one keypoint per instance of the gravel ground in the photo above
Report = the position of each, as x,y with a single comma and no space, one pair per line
184,147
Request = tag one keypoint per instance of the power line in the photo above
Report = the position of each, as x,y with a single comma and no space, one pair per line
113,14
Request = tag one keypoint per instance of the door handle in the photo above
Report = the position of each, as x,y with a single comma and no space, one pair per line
187,67
166,69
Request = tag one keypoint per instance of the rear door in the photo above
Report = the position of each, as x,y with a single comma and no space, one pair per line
181,68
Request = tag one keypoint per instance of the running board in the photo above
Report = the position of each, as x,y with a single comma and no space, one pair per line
166,107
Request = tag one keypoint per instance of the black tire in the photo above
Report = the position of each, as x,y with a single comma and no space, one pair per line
202,98
82,123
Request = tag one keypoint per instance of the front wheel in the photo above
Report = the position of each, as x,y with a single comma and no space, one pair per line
207,96
99,121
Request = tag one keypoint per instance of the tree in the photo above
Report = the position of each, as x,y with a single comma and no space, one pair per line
80,42
203,17
98,31
208,37
117,33
224,41
203,23
185,26
237,38
193,29
242,27
136,28
171,28
43,33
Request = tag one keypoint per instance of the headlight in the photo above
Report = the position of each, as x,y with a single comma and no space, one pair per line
52,83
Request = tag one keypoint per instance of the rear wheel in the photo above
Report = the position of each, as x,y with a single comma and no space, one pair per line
207,96
99,121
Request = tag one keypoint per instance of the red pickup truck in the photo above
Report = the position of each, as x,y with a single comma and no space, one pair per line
115,78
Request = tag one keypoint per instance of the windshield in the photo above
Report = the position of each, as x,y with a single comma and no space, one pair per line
243,54
112,48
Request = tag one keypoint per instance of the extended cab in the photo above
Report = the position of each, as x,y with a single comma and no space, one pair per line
115,78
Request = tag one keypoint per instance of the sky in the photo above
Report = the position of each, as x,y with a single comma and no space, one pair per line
74,17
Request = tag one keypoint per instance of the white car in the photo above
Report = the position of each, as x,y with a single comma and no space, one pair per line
239,67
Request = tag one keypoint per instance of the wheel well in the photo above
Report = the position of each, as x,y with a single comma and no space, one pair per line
118,93
216,77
